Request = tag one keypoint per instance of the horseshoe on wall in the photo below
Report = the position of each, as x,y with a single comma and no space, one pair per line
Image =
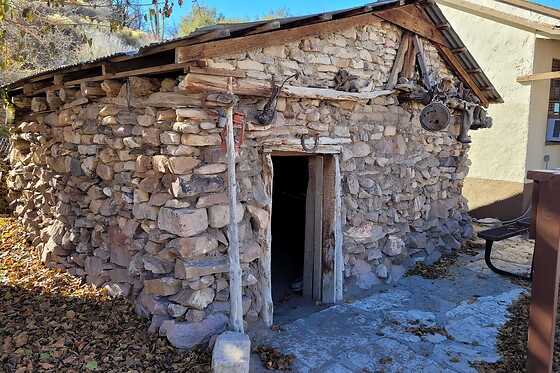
312,148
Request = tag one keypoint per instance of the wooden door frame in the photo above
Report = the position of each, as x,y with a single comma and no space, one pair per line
326,246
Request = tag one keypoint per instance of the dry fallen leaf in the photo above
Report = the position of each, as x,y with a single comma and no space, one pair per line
49,320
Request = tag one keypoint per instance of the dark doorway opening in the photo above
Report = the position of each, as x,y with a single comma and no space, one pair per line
290,181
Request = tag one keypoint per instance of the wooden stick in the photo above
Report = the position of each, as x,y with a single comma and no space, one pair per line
409,61
338,237
399,61
266,255
235,290
316,168
422,61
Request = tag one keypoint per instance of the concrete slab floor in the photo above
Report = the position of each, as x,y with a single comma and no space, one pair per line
416,325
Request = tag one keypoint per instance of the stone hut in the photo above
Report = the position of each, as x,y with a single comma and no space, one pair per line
346,163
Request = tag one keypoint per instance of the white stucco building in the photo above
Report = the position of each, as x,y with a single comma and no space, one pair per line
517,44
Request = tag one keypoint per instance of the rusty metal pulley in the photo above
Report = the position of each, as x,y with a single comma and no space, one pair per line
435,116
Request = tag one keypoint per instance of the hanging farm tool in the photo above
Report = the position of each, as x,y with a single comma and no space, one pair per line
268,114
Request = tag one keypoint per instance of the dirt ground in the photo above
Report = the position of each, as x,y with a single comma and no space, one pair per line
50,321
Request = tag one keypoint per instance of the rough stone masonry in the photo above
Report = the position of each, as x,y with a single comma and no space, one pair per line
136,200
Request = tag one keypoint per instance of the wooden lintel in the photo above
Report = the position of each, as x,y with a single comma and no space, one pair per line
251,42
539,76
252,87
215,71
123,74
40,78
412,18
326,141
465,77
297,150
53,87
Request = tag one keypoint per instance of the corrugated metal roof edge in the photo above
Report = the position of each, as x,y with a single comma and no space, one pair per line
433,12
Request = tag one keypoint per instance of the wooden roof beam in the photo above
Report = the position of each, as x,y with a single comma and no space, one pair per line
537,8
505,18
412,18
539,76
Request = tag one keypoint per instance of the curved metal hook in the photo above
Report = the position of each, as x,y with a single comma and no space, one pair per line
315,145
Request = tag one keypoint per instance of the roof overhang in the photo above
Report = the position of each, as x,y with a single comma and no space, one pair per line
419,16
543,29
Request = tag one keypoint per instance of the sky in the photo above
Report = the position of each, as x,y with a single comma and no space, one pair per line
252,8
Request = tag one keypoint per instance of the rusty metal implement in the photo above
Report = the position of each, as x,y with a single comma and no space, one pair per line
435,116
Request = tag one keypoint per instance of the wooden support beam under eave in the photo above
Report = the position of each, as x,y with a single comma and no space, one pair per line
412,18
221,47
502,17
539,76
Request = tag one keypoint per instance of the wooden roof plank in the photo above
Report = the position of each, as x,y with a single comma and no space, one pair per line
412,18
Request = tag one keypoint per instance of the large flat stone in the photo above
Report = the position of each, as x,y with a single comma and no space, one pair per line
218,215
183,222
195,270
231,353
184,335
194,246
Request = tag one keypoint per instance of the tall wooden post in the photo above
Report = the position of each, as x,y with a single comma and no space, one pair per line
338,258
545,228
235,289
266,255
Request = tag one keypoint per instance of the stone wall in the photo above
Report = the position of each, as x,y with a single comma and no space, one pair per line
136,201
